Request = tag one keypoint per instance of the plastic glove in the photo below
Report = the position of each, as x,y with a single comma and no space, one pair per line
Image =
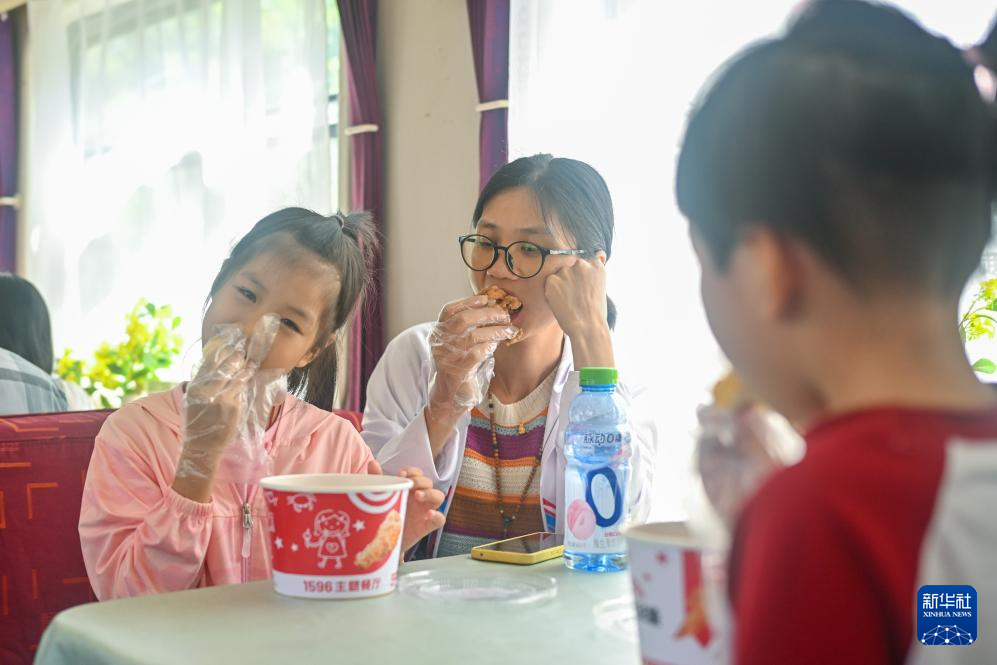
737,449
463,344
228,406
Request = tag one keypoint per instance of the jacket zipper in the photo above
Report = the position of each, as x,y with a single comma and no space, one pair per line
247,509
247,538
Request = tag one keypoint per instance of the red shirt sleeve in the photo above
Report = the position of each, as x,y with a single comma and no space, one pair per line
799,587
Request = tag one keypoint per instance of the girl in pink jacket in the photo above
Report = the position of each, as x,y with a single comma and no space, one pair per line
157,513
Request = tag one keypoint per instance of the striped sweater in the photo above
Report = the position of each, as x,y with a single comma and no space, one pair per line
474,518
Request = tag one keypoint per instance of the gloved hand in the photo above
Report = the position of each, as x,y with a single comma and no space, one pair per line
737,449
463,344
228,405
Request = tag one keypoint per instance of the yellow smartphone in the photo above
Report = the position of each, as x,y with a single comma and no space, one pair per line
523,550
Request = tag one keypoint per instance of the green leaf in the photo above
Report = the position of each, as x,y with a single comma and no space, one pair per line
125,368
985,366
992,306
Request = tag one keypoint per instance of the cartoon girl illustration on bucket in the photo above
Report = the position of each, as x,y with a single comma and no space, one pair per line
332,528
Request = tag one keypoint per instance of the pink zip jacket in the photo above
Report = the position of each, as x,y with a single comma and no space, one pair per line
139,536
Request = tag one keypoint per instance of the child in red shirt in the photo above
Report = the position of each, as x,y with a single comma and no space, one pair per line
839,182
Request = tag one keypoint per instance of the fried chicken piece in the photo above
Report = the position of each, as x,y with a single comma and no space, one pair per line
502,299
731,394
728,391
515,338
507,302
384,541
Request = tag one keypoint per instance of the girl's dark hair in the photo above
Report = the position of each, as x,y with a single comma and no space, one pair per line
25,327
346,242
857,132
568,188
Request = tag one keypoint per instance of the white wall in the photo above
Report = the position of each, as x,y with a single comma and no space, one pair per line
430,130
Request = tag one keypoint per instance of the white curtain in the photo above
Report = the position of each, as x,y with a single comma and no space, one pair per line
611,82
160,132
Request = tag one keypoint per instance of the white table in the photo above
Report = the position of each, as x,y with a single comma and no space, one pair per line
249,623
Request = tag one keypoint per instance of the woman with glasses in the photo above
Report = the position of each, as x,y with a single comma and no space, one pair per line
478,399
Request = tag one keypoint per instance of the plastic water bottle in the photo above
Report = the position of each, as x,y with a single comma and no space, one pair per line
597,447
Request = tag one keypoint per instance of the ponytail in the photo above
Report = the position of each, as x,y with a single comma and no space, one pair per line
352,249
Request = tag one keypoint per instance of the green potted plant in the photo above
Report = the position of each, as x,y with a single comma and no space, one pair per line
980,321
120,372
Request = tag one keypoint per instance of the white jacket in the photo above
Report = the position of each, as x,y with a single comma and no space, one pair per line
395,429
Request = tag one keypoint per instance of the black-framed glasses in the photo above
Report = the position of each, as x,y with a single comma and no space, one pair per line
524,259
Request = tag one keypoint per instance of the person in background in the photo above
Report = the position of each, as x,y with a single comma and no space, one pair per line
26,389
839,184
26,330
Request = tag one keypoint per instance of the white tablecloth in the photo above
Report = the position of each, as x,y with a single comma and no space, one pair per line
249,623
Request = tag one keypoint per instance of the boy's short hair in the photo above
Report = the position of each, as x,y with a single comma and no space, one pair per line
856,132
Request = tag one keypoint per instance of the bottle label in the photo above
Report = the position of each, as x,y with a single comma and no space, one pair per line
600,438
596,507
